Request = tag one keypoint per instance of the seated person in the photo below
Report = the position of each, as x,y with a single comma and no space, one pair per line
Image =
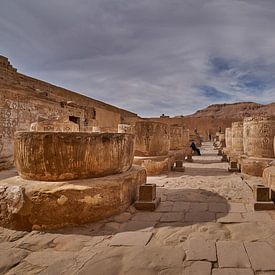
194,148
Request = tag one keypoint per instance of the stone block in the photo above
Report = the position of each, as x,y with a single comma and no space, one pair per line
255,166
189,158
138,238
147,192
201,249
147,205
264,205
261,193
232,254
155,165
224,158
269,180
57,204
179,166
261,255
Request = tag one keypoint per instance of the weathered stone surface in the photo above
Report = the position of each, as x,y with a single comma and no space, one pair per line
197,267
147,205
177,138
254,166
172,217
54,124
65,156
126,128
199,216
131,239
230,218
200,249
152,138
232,254
269,179
10,258
58,204
155,165
237,207
237,137
228,138
261,193
261,255
232,271
259,134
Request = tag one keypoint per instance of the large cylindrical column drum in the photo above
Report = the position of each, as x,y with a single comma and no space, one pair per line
237,137
53,156
176,137
151,138
228,138
259,136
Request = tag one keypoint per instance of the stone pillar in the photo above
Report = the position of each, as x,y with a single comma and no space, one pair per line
177,144
236,151
259,135
237,138
228,144
152,144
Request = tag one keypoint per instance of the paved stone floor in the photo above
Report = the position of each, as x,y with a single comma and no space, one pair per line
205,224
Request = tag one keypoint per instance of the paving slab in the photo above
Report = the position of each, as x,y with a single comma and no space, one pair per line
181,206
232,254
131,239
202,216
261,255
146,216
138,225
172,217
257,217
218,207
198,206
197,267
230,218
232,271
165,207
200,249
237,207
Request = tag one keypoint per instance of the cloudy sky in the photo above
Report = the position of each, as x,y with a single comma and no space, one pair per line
148,56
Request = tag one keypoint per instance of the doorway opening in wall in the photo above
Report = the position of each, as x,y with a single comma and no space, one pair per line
75,119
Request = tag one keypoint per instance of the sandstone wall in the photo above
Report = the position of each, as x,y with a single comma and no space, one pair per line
23,99
176,137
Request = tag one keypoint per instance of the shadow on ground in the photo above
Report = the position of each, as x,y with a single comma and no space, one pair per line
193,171
179,207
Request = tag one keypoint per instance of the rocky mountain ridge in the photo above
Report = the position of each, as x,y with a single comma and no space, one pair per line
237,110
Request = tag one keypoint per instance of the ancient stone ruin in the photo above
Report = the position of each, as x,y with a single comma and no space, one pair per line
68,178
152,145
258,135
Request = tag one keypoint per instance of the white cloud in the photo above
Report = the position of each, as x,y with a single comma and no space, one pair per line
148,56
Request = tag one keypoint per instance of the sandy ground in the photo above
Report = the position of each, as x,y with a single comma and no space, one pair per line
205,224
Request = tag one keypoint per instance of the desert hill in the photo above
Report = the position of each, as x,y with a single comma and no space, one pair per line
236,110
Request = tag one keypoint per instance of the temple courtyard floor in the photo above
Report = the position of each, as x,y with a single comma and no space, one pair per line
205,224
